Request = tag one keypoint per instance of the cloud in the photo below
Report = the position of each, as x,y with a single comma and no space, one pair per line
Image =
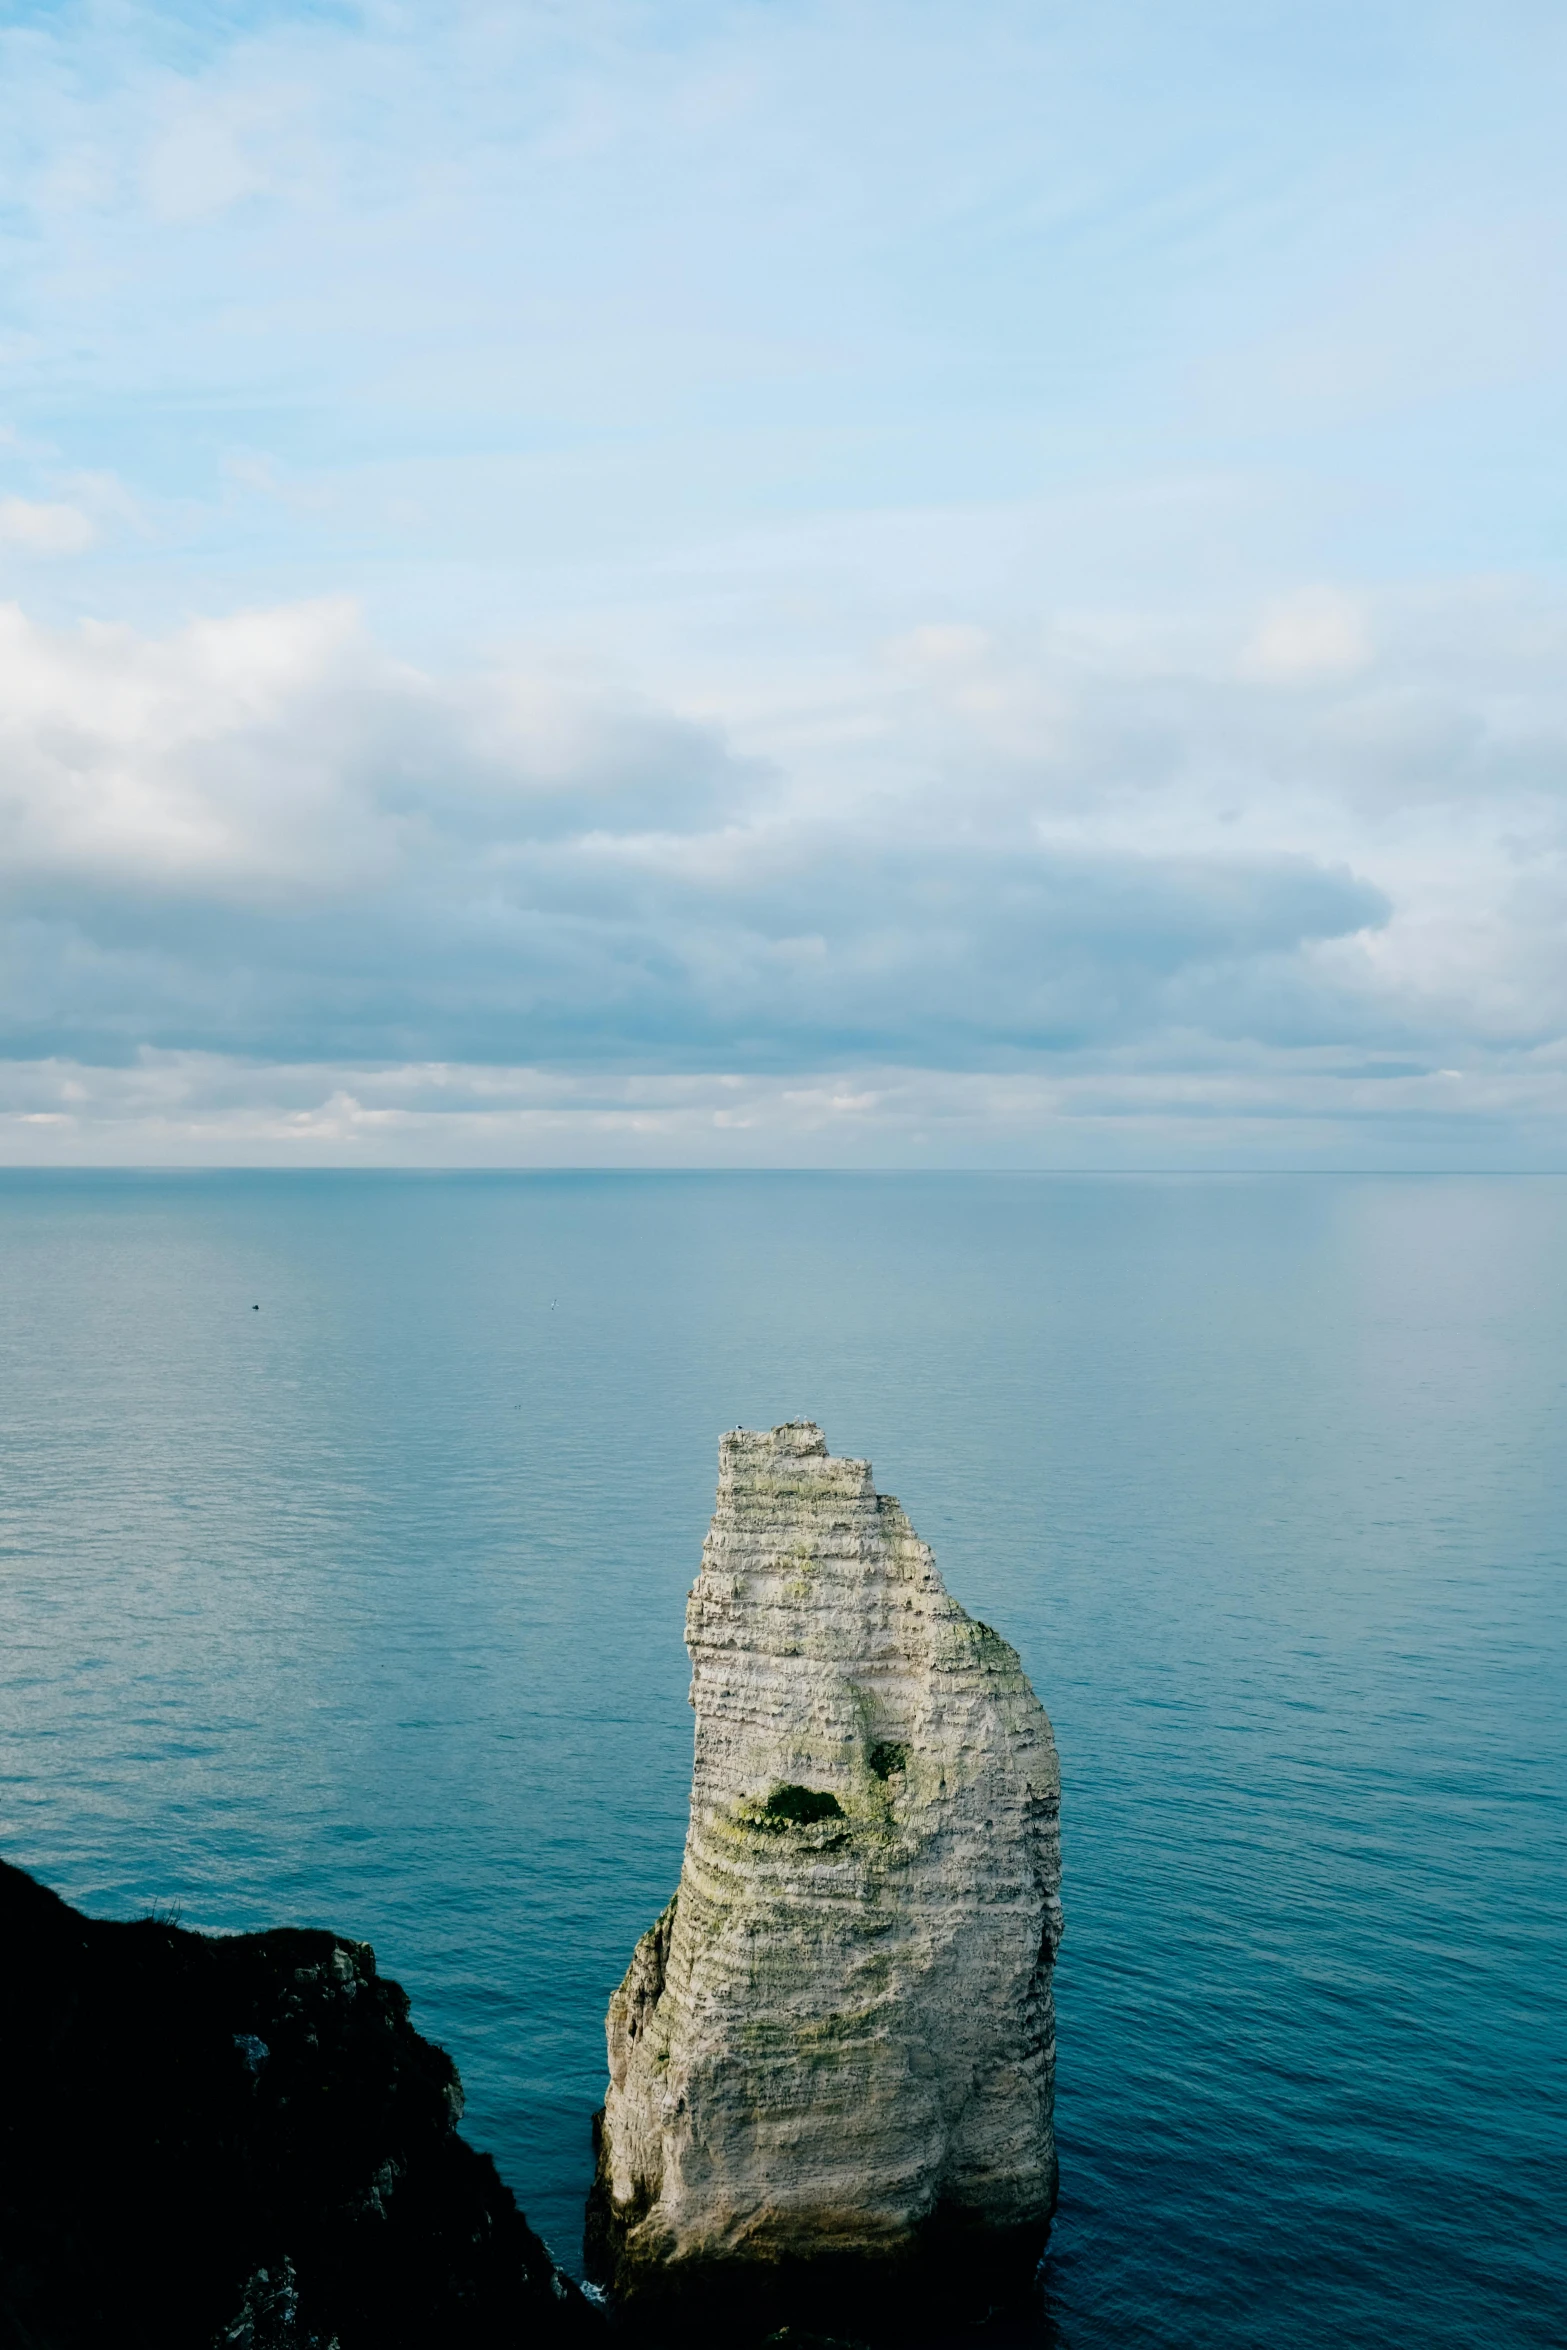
1317,633
202,1109
198,165
264,834
1106,875
280,759
40,527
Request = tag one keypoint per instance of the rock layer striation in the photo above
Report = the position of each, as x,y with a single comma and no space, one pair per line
836,2046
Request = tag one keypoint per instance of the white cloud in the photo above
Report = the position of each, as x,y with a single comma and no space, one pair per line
1318,633
197,166
283,751
44,527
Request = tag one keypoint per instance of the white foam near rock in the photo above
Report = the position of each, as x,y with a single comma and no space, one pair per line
839,2037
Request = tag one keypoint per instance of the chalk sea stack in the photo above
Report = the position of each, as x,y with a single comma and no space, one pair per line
832,2058
241,2144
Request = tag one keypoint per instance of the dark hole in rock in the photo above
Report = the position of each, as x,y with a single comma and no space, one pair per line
888,1757
798,1807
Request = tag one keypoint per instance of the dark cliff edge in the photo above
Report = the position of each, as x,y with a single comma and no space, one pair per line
241,2144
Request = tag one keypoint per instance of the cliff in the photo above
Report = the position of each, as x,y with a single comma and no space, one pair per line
240,2142
832,2058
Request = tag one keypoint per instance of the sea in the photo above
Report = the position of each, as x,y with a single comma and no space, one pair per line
346,1522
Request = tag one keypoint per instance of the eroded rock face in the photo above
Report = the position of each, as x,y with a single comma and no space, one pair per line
837,2043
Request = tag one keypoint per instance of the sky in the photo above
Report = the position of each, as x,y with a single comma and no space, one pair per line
953,583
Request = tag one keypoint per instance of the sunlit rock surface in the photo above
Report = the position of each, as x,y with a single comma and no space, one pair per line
834,2052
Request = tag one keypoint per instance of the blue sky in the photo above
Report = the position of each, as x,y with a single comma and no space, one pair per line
760,583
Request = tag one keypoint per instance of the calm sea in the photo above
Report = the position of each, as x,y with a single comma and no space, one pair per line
364,1610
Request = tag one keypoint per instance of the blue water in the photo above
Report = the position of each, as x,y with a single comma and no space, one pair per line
365,1611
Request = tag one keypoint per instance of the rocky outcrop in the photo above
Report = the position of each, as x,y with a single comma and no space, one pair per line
832,2058
241,2143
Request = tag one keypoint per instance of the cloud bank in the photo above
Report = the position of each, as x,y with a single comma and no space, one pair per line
1120,888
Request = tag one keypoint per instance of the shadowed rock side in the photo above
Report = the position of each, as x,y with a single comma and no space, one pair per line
241,2142
832,2058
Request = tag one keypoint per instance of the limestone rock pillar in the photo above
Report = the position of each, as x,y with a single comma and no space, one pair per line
836,2045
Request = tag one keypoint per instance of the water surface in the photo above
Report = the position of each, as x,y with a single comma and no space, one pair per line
364,1610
